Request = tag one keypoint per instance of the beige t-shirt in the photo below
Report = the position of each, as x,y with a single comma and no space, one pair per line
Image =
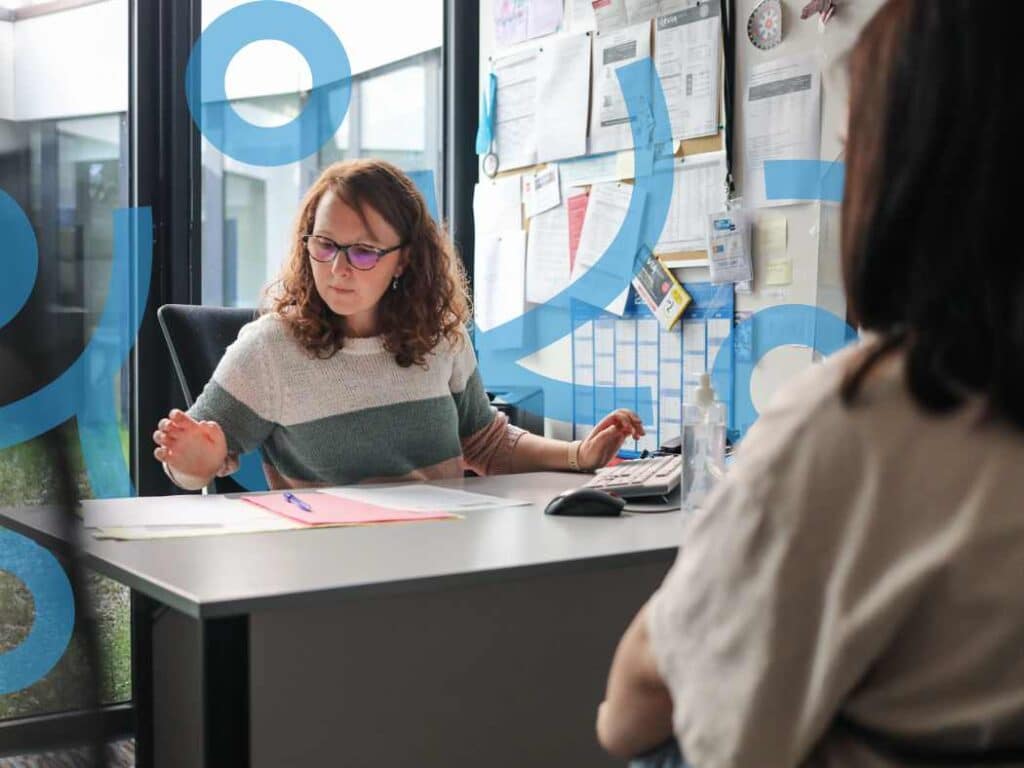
866,561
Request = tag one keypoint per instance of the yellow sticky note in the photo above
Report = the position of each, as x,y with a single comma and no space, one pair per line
779,272
625,167
770,236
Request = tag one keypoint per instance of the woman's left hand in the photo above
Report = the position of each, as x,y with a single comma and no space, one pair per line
604,440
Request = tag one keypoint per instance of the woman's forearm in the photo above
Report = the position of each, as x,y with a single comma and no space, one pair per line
533,453
636,715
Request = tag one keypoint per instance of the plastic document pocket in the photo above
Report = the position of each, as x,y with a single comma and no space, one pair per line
314,508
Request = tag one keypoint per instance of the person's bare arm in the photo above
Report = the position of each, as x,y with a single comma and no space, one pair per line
192,451
636,715
533,453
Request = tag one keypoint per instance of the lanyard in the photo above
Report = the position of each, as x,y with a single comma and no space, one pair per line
485,128
729,54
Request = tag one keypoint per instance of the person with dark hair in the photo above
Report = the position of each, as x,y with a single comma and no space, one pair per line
361,368
849,595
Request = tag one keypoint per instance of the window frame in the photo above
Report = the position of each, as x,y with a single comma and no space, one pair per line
165,174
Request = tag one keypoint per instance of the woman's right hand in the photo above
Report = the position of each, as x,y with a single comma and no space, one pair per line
189,447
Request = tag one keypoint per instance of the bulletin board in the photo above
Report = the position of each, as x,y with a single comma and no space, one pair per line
794,248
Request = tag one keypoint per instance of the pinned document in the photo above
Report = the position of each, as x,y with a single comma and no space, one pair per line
783,120
563,93
729,247
515,108
547,255
605,216
519,20
541,191
577,209
688,50
581,16
498,204
659,289
610,126
698,190
500,271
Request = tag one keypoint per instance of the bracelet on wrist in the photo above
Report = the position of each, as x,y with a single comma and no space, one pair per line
574,456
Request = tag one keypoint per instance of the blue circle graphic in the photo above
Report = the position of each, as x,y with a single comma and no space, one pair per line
22,265
783,325
51,630
218,121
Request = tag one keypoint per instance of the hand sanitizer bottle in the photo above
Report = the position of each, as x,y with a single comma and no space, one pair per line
703,445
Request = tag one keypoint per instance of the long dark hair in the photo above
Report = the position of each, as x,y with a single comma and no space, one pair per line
930,250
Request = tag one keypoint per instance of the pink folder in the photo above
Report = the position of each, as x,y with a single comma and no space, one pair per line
334,510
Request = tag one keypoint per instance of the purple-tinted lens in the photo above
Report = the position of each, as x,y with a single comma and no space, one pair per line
362,257
320,250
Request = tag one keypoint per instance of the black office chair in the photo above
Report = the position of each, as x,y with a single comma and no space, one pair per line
196,338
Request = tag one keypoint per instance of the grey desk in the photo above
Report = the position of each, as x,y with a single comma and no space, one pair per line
484,641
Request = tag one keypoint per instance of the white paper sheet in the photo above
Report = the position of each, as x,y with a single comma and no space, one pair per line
563,91
782,120
645,10
543,17
698,190
266,523
615,14
515,120
174,511
610,14
498,204
610,127
499,285
688,50
770,237
547,255
541,191
581,16
589,170
423,498
510,21
606,212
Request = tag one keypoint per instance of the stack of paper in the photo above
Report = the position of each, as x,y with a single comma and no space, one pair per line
187,516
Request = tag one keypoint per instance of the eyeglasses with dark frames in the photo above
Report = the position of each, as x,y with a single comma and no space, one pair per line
359,255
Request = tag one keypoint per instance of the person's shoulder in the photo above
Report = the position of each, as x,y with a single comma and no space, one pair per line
267,330
807,419
454,345
266,339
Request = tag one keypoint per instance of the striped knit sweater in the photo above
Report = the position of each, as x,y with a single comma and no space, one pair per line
357,416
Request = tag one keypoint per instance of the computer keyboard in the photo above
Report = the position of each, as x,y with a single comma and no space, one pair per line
658,476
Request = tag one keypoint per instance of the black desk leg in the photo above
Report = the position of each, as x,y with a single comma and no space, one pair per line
142,609
226,691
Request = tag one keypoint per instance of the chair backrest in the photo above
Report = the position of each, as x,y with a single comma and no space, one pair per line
197,338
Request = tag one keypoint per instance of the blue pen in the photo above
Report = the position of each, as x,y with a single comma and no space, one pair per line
291,498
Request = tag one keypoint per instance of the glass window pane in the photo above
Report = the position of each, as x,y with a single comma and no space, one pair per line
395,113
63,160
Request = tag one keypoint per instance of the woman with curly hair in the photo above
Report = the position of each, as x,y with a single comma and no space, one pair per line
360,368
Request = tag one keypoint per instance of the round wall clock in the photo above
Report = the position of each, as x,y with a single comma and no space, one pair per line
764,27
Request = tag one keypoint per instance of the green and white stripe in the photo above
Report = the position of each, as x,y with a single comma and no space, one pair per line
352,417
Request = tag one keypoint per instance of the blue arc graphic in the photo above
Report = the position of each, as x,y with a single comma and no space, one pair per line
500,349
804,180
54,620
85,389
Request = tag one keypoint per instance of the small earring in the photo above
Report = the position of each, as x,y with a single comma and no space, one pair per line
394,283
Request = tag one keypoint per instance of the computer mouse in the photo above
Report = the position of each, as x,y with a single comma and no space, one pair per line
585,502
